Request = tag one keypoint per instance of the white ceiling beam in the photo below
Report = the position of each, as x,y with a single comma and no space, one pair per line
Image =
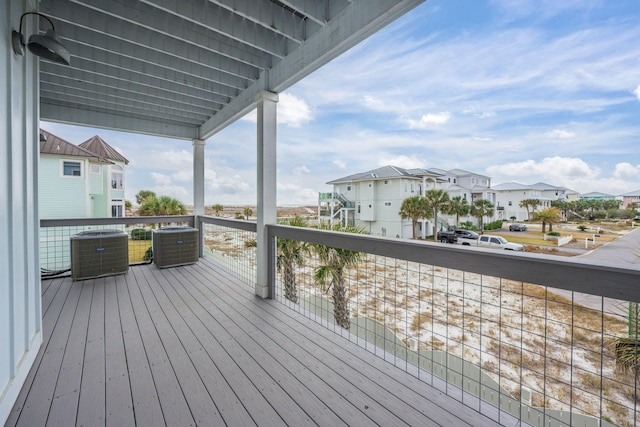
190,75
88,27
315,10
64,114
110,107
62,87
184,13
265,13
112,76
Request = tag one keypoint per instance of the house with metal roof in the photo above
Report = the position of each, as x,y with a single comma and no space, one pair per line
630,197
372,199
80,181
595,195
509,195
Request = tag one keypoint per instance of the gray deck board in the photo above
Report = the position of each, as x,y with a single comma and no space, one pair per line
91,407
192,345
64,406
389,381
118,401
144,394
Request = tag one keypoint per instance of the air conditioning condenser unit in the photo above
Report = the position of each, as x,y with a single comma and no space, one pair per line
97,253
174,246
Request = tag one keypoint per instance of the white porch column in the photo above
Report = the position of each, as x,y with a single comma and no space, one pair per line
198,176
267,119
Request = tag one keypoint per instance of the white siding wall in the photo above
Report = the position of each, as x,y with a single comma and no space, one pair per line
367,198
20,304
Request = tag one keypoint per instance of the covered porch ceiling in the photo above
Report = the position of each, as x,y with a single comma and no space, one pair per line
188,68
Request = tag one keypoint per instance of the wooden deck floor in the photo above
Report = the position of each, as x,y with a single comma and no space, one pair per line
192,345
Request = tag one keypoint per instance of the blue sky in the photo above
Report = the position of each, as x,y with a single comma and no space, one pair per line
518,90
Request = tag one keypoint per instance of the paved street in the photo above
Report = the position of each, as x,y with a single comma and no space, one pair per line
623,250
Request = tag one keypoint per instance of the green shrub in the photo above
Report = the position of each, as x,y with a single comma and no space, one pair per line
467,225
582,227
495,225
140,234
553,233
148,255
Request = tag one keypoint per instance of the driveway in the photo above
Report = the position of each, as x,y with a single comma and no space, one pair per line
624,250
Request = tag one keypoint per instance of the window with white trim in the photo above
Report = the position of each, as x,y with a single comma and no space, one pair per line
117,177
70,168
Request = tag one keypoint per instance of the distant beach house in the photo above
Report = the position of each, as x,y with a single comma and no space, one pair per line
631,197
594,195
372,199
80,181
510,194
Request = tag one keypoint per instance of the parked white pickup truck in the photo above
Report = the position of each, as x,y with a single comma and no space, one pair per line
498,242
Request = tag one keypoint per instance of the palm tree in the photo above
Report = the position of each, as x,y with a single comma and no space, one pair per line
550,215
436,201
291,254
247,212
529,203
480,209
458,206
333,263
163,205
144,195
413,208
217,208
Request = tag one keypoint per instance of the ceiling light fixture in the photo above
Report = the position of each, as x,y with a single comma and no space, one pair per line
46,46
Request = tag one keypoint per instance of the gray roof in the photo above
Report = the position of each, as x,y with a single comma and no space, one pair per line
100,147
387,172
462,172
597,194
631,194
384,172
541,186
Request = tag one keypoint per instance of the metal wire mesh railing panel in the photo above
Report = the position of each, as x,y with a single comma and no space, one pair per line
511,349
233,248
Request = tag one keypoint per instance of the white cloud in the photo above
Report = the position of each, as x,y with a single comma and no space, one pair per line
549,169
626,171
373,102
402,161
169,160
430,119
636,92
560,134
226,183
301,170
340,163
292,111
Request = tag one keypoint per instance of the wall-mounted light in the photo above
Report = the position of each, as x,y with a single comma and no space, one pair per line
48,46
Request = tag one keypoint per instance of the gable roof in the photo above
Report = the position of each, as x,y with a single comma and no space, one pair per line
631,194
384,172
100,147
55,145
540,186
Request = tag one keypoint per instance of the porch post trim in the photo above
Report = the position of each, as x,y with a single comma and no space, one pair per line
266,183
